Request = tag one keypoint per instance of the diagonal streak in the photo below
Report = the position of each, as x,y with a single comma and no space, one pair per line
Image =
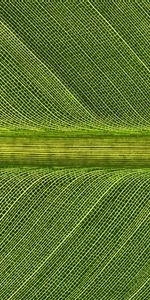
97,67
113,256
139,289
118,35
43,64
23,194
71,232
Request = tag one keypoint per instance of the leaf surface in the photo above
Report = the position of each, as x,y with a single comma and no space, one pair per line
75,234
75,65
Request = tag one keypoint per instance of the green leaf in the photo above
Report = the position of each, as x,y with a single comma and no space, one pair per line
75,65
75,234
74,94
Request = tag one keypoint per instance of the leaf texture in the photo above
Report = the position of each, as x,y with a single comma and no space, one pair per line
75,65
95,151
75,149
75,234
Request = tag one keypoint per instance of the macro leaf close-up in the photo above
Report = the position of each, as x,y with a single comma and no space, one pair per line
75,149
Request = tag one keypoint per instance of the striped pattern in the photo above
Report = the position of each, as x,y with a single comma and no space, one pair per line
71,65
75,149
102,151
75,234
